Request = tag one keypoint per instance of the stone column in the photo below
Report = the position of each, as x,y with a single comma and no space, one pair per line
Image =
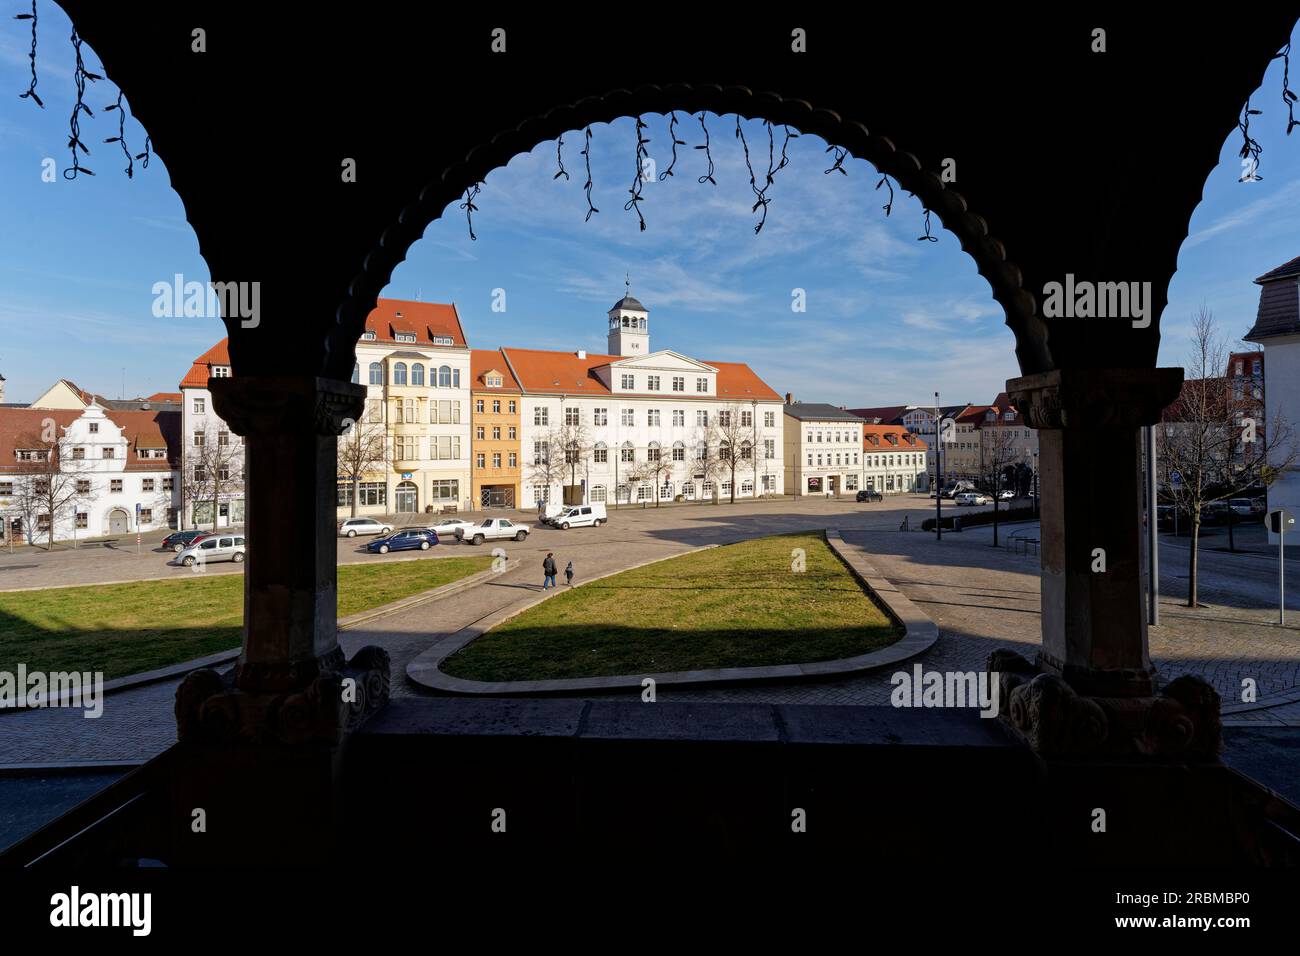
1093,686
288,683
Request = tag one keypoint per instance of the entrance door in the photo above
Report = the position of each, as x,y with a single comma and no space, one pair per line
406,498
223,515
118,523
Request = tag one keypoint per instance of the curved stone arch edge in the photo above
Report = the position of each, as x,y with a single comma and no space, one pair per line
1005,278
920,633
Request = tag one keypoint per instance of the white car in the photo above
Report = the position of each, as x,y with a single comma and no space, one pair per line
355,526
493,529
448,527
581,516
1007,495
229,547
972,498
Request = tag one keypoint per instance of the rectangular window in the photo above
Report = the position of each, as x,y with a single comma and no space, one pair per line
496,459
479,433
83,520
540,454
478,406
200,407
480,460
496,406
701,384
572,416
629,416
445,490
652,453
679,417
600,455
679,453
146,516
600,416
115,485
198,439
769,419
83,487
702,418
747,419
78,454
512,433
627,454
496,432
146,484
511,407
513,458
652,416
679,384
166,484
652,383
769,448
724,419
6,488
94,426
628,381
541,416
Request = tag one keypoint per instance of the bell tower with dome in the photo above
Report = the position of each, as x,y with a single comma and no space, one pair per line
629,326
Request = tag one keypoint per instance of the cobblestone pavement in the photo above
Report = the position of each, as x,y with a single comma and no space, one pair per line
981,597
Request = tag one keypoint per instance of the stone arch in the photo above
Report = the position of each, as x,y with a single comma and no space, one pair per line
972,231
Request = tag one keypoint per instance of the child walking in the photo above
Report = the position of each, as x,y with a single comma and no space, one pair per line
568,574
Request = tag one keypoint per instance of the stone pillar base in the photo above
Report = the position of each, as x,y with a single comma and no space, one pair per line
211,708
1043,709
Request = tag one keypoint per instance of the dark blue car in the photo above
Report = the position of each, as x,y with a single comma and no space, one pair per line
408,539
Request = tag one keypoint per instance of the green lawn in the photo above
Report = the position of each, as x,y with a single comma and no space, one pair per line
733,606
124,629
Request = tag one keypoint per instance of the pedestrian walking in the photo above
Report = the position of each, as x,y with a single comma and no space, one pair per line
568,574
548,571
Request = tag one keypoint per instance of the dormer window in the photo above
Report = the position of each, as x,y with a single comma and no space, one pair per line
368,335
221,371
405,336
494,381
440,340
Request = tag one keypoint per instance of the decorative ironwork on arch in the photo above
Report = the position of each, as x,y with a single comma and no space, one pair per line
971,230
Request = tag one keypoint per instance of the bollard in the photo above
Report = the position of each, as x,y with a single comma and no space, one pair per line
956,524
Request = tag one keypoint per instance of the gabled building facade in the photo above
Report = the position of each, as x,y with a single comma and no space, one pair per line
637,425
495,444
823,449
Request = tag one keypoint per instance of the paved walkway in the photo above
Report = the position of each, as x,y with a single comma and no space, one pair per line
981,597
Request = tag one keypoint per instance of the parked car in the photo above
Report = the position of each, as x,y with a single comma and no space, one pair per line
1258,506
1214,512
547,512
972,498
581,516
212,547
870,494
355,526
493,529
447,527
178,541
1241,506
1007,495
408,539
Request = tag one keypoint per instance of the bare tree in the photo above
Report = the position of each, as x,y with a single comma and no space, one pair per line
546,463
571,446
1217,451
50,481
363,450
707,455
658,468
997,456
735,441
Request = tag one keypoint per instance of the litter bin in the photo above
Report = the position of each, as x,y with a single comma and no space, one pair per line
956,524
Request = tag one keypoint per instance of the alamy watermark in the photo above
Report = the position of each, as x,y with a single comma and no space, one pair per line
946,689
55,689
192,300
1098,300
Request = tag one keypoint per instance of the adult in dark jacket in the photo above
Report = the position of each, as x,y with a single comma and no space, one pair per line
548,571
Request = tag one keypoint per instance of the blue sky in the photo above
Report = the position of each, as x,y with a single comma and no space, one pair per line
78,259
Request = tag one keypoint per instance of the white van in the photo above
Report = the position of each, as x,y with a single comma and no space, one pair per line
581,516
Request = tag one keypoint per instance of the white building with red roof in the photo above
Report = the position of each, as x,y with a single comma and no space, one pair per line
650,424
118,470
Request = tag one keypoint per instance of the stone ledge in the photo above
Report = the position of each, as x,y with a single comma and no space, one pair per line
919,635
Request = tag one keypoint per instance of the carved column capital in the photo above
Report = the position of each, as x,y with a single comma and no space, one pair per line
1095,397
254,405
211,709
1054,720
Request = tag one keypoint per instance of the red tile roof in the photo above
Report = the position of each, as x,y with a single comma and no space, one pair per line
197,376
426,320
21,428
878,437
886,414
171,397
482,361
564,373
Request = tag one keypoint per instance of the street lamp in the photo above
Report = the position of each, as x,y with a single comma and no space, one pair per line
938,472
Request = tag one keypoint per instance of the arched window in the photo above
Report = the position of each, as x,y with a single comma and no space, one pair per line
747,450
417,374
399,373
724,451
628,452
652,452
376,374
444,377
356,373
679,451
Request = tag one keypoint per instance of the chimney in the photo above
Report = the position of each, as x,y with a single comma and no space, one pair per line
582,353
789,399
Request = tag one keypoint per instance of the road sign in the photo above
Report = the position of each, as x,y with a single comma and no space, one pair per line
1280,520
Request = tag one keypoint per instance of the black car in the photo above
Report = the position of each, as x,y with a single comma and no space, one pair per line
868,495
178,541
